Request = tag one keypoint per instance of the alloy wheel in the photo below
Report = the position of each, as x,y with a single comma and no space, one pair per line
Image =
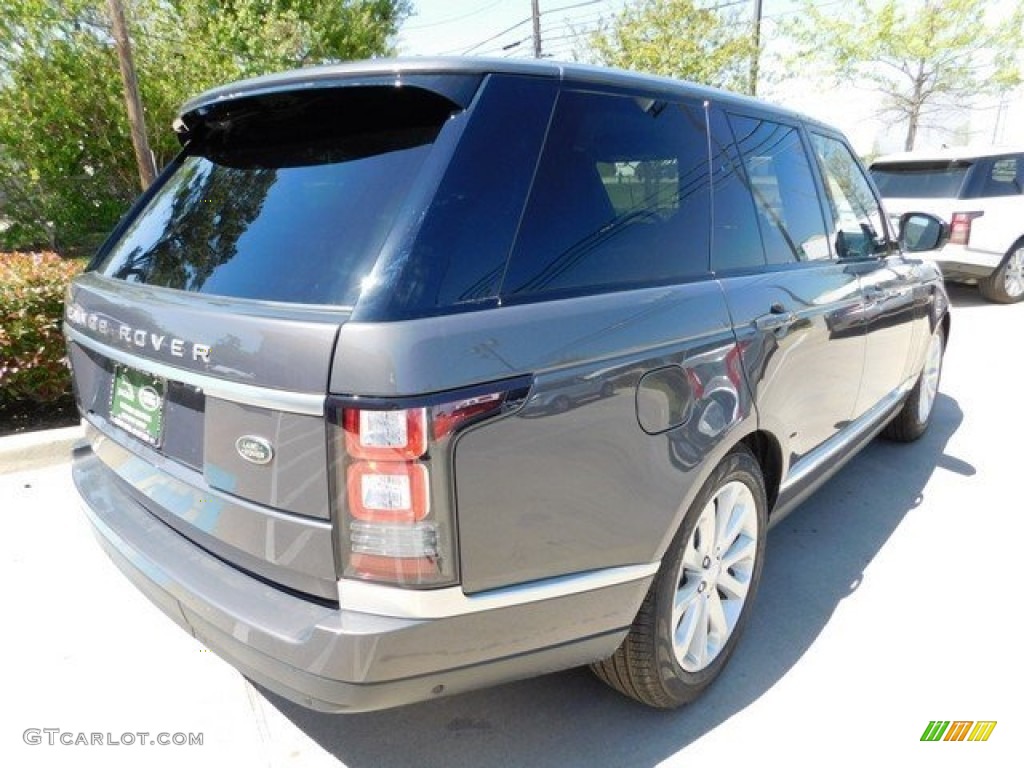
930,378
1013,274
714,576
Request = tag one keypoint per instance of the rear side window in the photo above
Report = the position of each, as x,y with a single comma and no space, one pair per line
286,198
621,198
920,179
1003,178
785,194
736,233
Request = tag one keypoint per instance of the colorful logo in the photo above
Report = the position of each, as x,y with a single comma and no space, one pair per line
958,730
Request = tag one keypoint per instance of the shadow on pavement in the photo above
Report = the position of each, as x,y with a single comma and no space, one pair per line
816,558
961,295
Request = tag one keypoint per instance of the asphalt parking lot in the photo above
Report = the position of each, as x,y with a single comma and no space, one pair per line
889,600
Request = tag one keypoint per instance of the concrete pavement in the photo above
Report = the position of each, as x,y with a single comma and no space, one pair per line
888,600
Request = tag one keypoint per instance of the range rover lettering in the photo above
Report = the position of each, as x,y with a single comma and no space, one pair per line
411,377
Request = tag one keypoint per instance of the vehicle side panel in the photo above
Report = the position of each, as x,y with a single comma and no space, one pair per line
570,482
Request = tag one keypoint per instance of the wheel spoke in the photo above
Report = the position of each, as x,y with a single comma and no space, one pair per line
733,587
742,549
698,646
691,559
717,623
705,533
684,598
687,630
732,609
725,513
736,520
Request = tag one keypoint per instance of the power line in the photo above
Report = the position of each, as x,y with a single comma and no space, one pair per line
569,7
453,19
518,24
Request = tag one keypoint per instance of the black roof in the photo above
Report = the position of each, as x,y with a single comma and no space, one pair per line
338,74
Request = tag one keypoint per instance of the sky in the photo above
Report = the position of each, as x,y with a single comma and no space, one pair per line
502,28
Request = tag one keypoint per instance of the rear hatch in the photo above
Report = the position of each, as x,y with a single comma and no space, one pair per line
202,337
926,186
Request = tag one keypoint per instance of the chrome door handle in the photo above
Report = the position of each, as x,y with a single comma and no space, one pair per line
779,317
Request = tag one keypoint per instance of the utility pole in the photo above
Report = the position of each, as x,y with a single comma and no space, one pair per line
536,28
143,156
757,48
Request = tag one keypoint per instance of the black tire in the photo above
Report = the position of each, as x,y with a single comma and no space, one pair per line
1006,285
646,667
908,425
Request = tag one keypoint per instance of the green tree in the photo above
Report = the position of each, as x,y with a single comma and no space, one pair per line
921,57
677,38
67,169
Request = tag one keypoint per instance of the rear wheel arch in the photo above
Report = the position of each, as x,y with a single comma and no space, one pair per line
698,604
997,286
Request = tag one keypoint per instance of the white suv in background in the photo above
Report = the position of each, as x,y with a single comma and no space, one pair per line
980,193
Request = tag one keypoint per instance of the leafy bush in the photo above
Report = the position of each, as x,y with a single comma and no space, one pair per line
32,350
67,169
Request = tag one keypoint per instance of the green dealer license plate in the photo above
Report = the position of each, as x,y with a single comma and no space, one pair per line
137,404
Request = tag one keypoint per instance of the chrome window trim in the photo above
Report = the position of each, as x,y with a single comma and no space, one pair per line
307,404
396,602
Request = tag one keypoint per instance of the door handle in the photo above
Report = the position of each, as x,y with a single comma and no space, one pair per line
778,317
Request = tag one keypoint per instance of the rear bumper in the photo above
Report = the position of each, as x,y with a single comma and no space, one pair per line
333,659
959,262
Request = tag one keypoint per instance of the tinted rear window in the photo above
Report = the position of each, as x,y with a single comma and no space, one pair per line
288,198
938,179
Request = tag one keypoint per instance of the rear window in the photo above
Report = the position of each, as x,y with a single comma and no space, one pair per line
285,198
938,179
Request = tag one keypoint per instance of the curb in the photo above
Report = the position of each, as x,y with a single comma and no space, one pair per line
32,450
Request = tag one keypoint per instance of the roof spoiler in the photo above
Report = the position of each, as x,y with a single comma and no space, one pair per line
456,87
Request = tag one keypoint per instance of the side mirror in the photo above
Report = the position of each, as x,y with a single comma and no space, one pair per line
922,232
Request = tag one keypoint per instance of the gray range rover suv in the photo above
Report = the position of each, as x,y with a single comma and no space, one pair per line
412,377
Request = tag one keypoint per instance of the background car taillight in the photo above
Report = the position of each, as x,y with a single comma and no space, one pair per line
960,226
392,481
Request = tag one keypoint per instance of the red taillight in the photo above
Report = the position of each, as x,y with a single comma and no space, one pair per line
386,435
388,491
960,226
447,417
401,570
390,463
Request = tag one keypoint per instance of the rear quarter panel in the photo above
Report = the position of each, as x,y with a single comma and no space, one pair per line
570,482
